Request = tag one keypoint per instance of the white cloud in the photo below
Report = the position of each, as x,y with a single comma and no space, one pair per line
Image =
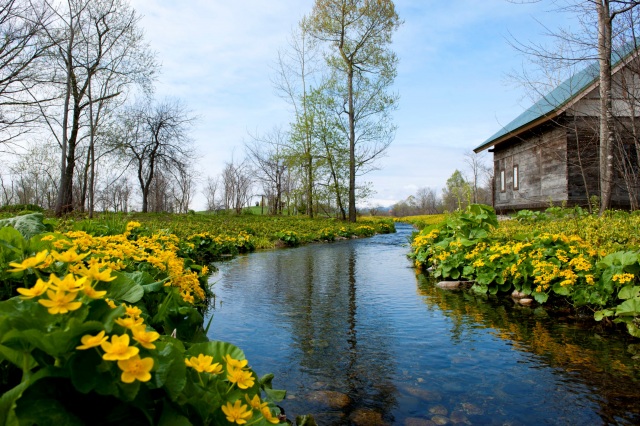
217,55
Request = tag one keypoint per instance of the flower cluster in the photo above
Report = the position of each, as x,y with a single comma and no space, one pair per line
541,259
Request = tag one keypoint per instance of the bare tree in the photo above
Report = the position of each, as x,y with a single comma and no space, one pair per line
93,41
268,155
154,137
183,187
236,185
210,193
478,169
595,41
296,70
22,47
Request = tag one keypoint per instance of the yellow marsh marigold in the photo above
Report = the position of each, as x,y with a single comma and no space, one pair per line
129,322
94,273
135,368
144,337
255,402
204,364
31,262
68,284
235,363
89,341
38,289
132,311
69,256
118,349
60,302
241,378
91,292
268,416
623,278
237,413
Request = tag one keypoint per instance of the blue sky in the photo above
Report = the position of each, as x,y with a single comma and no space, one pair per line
217,56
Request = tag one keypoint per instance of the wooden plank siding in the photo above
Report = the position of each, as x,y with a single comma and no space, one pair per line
558,165
541,158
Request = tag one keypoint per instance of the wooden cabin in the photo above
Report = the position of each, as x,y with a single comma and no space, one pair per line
548,155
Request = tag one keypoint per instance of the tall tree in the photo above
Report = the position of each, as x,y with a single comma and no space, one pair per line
594,40
296,70
92,40
155,137
358,33
22,48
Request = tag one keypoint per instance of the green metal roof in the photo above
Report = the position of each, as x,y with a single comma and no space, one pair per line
556,99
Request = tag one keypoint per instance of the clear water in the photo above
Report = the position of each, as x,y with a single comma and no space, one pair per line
357,337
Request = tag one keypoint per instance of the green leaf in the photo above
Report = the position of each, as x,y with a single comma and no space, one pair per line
598,315
170,417
21,359
125,287
170,371
540,297
561,290
274,395
630,307
628,292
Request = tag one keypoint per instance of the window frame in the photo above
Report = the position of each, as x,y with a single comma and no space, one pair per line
503,183
516,177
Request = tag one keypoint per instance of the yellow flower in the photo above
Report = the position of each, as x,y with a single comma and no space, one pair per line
135,368
205,270
144,337
89,341
60,302
255,402
243,379
235,363
118,349
38,289
268,416
129,322
94,273
68,284
237,413
111,303
623,278
132,311
69,256
31,262
91,292
204,364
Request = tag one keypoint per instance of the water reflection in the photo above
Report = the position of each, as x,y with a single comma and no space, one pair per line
357,338
607,363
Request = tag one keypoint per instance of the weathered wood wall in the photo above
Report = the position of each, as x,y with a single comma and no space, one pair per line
541,157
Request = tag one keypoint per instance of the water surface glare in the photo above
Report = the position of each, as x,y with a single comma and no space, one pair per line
356,337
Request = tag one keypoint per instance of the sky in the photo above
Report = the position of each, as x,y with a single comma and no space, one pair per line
218,57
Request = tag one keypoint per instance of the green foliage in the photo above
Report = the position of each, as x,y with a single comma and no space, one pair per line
16,208
63,356
290,238
526,256
28,225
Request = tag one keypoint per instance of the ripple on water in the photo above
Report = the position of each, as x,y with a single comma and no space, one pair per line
352,320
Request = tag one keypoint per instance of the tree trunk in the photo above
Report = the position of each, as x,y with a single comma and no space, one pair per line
352,150
607,138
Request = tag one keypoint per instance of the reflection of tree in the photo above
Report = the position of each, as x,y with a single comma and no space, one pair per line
321,286
602,363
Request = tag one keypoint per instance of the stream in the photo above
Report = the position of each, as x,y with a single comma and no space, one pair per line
357,337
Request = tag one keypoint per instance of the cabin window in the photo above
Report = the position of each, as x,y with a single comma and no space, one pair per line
516,177
502,182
